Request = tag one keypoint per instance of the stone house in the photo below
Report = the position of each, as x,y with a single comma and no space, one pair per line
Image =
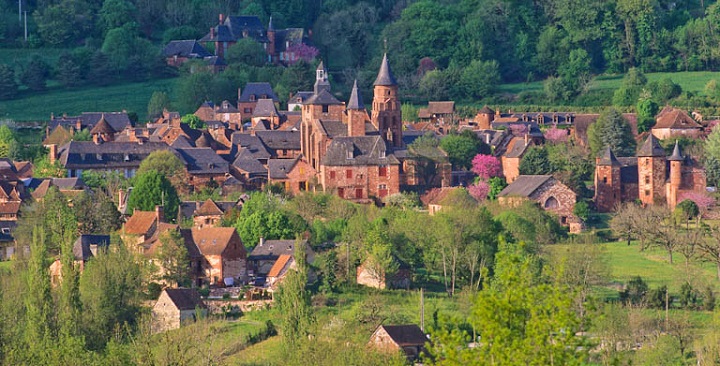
85,247
140,227
511,156
281,144
673,122
119,121
224,254
125,157
178,52
368,275
176,307
435,199
280,268
206,213
250,95
294,175
438,113
548,192
204,166
266,253
409,339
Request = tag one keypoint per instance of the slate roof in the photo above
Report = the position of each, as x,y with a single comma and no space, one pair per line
358,151
675,119
278,168
518,148
259,90
441,107
245,161
486,110
188,48
334,128
385,76
84,154
102,127
608,158
265,108
81,247
280,140
222,34
272,249
214,240
405,335
356,101
204,160
525,185
118,120
676,155
246,23
41,186
300,97
226,107
185,298
208,208
323,98
651,148
251,143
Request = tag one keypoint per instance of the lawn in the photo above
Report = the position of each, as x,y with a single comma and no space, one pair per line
132,97
5,265
691,81
19,56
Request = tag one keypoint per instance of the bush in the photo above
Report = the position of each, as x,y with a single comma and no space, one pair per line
635,292
204,292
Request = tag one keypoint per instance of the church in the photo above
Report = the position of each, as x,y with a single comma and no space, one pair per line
651,177
353,153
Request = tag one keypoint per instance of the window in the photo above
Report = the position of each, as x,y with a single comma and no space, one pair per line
127,157
341,192
382,170
252,97
605,180
382,186
98,157
552,202
647,192
647,179
325,109
647,161
358,193
382,154
303,186
247,110
348,173
332,174
349,155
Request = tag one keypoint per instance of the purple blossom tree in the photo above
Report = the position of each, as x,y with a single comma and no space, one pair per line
518,129
486,166
702,200
555,135
300,51
479,190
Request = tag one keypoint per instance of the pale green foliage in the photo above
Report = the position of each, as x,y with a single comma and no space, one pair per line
44,169
193,121
174,260
8,144
159,101
153,189
168,164
293,301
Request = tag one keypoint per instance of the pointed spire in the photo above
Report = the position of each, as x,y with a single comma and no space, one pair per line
321,79
321,66
355,101
270,25
608,158
651,148
385,76
676,155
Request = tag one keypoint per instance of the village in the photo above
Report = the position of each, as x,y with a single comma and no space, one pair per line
368,217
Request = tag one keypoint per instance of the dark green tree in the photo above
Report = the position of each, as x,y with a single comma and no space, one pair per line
247,51
159,101
462,148
8,84
535,162
35,74
611,130
153,189
115,14
174,259
69,71
479,79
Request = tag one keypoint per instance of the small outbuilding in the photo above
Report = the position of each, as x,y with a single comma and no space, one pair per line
407,338
176,307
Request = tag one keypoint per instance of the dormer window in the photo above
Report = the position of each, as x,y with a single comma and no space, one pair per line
127,157
98,157
382,154
252,97
350,154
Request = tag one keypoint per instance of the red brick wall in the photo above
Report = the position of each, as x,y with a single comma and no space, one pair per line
366,178
607,188
651,179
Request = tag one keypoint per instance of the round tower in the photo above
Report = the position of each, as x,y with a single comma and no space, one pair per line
676,160
386,113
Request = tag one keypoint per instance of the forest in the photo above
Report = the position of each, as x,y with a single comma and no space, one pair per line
445,49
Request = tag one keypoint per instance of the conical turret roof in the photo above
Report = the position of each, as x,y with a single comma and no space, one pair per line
102,127
676,155
651,148
355,101
385,76
609,158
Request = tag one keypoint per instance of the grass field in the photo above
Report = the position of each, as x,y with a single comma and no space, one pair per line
689,81
19,56
132,97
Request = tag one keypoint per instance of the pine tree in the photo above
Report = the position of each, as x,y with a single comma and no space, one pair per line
8,84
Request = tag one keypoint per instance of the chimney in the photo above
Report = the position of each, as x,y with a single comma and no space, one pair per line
78,125
159,214
221,18
527,138
262,241
96,139
121,197
52,153
212,32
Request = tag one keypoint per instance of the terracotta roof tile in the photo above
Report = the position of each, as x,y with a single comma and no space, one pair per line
282,261
140,222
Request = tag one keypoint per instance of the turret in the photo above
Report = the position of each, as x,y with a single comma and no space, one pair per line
386,113
652,170
356,113
676,160
321,79
607,182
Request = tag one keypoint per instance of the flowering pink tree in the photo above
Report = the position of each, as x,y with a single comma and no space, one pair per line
300,51
486,166
479,190
518,129
702,200
554,134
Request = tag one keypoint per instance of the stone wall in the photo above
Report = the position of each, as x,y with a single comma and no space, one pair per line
510,168
564,195
215,306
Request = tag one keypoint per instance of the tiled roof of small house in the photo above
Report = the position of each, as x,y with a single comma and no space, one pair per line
525,185
226,107
280,140
278,168
265,108
245,161
118,120
84,154
272,249
214,240
333,128
81,247
358,151
441,107
251,143
257,91
204,160
518,147
60,135
405,335
279,265
486,110
188,48
322,98
209,207
102,126
300,97
140,222
675,119
185,298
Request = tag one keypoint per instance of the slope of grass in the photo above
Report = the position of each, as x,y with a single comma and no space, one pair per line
16,57
690,81
132,97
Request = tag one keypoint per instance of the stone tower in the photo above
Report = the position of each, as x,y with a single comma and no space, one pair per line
676,160
652,170
356,113
321,79
386,113
607,182
484,117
